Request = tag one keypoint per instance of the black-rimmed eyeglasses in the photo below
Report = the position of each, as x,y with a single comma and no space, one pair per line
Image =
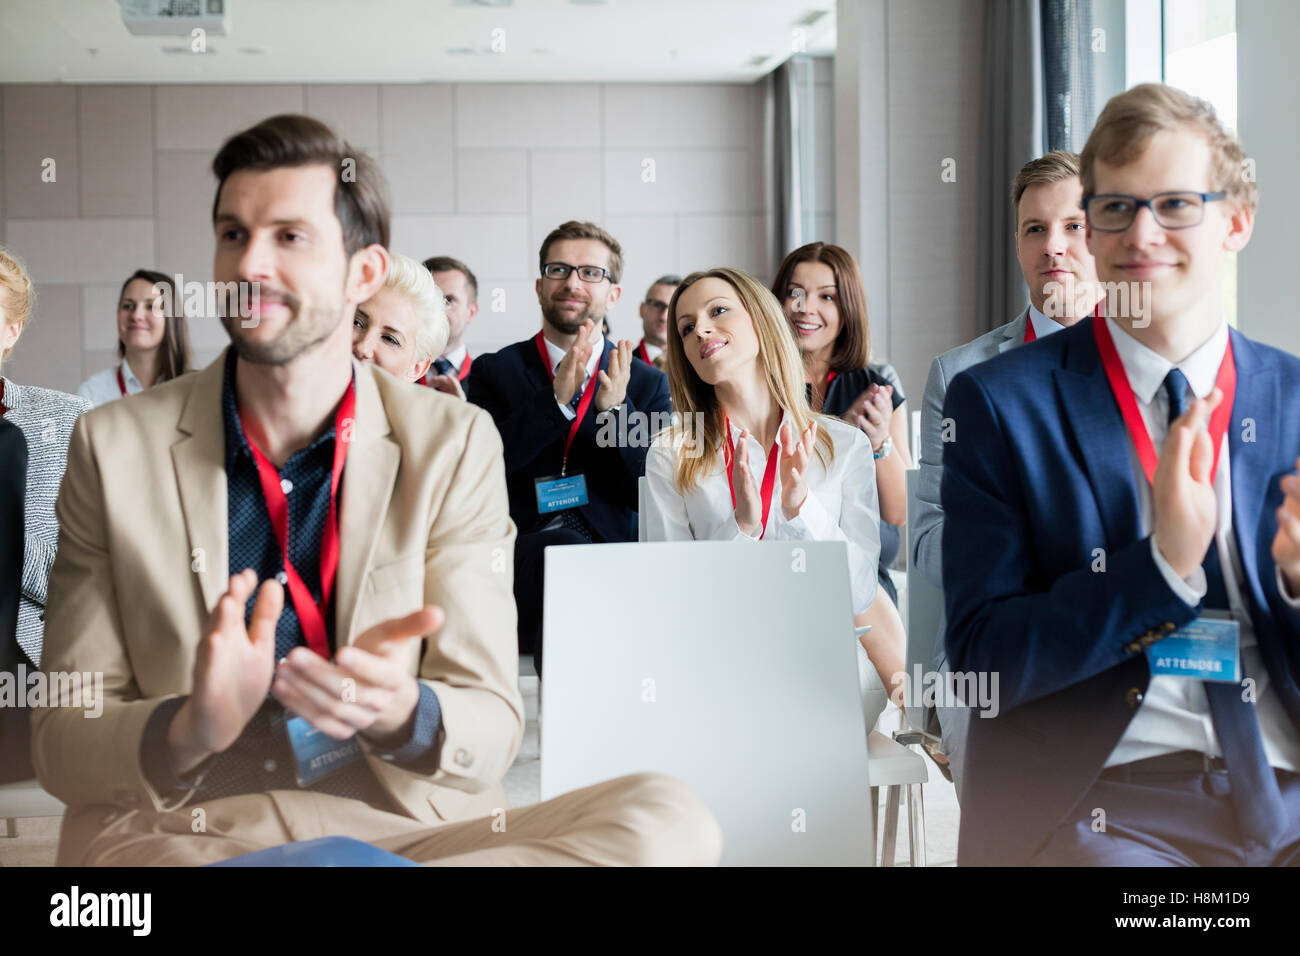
561,270
1113,212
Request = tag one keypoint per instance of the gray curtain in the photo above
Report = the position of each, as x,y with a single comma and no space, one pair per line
1068,73
793,139
1012,135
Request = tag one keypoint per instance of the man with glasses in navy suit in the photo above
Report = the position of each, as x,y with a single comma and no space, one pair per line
553,396
1122,537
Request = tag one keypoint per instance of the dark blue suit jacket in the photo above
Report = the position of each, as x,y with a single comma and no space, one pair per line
515,387
1037,476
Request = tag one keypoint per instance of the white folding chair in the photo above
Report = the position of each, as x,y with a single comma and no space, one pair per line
25,798
740,680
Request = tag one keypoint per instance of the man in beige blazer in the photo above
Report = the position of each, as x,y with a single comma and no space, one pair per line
415,696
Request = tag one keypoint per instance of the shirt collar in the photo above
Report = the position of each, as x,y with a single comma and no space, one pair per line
556,354
1043,326
236,441
128,378
1146,369
457,357
651,349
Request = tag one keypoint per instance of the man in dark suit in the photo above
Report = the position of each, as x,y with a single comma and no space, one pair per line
557,398
15,758
1121,524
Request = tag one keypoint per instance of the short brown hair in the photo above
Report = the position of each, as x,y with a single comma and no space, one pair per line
585,230
1130,119
174,352
852,350
290,139
448,264
1054,167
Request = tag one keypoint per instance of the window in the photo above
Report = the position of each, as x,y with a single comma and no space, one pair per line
1200,56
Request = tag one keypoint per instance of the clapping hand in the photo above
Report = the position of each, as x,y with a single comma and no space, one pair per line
573,367
1286,543
749,507
872,412
794,467
613,384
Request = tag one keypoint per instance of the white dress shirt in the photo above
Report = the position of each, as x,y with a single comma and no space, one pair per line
841,503
557,354
1175,714
457,358
651,349
1043,326
102,386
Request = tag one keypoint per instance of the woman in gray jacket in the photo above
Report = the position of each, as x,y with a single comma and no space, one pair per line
46,418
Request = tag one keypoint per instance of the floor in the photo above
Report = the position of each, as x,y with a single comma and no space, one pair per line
37,839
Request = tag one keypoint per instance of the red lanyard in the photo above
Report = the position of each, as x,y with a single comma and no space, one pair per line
644,353
311,616
583,405
121,383
769,475
464,369
1128,406
1030,334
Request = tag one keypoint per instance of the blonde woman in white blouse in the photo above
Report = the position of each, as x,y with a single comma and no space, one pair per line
734,370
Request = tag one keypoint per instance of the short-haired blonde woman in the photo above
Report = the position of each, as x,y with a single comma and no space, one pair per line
46,418
771,469
153,343
403,327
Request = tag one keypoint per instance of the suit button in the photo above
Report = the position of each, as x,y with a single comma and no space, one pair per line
269,766
464,757
1133,698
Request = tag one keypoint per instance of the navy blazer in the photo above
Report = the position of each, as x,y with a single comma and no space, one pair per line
1037,477
515,388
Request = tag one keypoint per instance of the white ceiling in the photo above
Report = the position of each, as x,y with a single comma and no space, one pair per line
399,41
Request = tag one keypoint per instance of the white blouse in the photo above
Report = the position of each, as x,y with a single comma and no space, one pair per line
102,386
842,504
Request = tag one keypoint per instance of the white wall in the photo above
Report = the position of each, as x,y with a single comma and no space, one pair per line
478,171
908,79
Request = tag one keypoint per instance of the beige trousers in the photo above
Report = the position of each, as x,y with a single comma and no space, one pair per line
642,819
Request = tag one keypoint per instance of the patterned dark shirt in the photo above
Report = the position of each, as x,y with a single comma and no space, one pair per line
261,758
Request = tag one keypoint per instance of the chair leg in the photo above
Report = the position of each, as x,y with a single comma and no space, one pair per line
875,818
916,823
891,827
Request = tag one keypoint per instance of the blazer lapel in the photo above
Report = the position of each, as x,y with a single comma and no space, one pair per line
368,477
1015,332
1251,454
199,458
1100,435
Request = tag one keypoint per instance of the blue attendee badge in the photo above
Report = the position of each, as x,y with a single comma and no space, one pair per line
560,494
317,754
1205,649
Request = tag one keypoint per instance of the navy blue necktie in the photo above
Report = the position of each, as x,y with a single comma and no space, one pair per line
1255,794
442,367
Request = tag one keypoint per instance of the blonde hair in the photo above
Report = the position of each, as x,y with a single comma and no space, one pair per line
1130,119
692,396
17,294
413,280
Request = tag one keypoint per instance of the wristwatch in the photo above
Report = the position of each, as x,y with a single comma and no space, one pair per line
886,447
612,410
